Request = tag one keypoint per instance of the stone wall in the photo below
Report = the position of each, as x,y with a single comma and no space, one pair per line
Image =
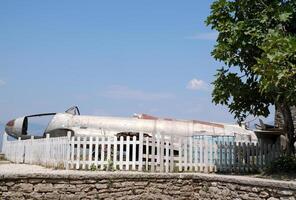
141,186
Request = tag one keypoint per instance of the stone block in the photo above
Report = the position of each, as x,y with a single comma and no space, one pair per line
40,187
264,194
285,193
22,187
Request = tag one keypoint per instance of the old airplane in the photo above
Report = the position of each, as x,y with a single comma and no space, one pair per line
82,125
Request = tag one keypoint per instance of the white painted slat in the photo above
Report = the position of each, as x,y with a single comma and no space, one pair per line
196,161
190,154
226,167
102,161
127,155
215,156
78,153
206,156
211,156
244,157
220,156
153,153
115,152
147,154
141,144
253,153
269,153
180,154
185,154
134,153
121,153
265,154
108,152
201,154
239,154
167,162
257,157
235,153
158,151
161,152
230,157
84,153
32,146
248,158
96,152
47,149
171,151
90,161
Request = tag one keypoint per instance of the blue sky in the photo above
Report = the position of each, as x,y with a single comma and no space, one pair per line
108,57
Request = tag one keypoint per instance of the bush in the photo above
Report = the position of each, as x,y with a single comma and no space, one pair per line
93,167
283,164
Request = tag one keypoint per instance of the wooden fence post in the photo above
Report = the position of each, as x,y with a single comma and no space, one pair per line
90,149
190,153
196,160
102,152
68,150
153,153
185,147
31,150
147,154
84,152
19,150
140,157
109,140
261,155
72,152
226,156
221,168
161,151
206,154
78,153
127,153
115,152
180,154
239,156
230,156
171,153
4,143
121,153
253,153
96,161
134,153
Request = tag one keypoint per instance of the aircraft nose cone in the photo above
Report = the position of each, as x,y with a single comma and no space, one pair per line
10,123
9,126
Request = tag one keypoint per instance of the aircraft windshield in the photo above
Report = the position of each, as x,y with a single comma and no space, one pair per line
37,124
73,110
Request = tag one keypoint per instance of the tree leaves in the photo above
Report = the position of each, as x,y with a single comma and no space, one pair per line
257,44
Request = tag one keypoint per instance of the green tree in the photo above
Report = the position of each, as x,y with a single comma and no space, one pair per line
257,46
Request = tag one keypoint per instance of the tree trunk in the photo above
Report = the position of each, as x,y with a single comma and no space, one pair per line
288,127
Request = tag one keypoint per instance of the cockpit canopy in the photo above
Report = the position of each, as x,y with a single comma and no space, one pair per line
22,127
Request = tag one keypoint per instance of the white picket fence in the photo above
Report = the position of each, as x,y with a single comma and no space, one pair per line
156,153
50,152
246,157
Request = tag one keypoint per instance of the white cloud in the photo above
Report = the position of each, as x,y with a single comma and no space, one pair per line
123,92
196,84
204,36
2,82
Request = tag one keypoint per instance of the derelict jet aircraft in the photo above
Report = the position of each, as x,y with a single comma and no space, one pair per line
82,125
